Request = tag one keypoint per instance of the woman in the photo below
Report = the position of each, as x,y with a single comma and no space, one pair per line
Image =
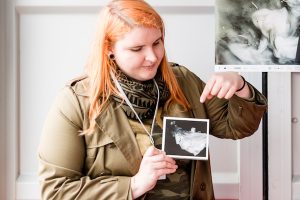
98,139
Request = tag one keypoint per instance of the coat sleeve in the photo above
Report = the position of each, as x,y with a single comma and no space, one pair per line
62,154
235,118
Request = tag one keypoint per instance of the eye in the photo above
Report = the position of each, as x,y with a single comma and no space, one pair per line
156,42
136,49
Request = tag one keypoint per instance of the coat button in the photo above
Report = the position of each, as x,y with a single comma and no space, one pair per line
202,186
240,111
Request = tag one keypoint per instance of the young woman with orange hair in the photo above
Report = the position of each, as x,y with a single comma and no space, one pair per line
102,137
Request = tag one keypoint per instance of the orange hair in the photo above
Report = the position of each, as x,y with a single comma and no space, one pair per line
116,19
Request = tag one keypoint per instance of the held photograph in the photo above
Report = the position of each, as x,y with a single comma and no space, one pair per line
186,138
257,35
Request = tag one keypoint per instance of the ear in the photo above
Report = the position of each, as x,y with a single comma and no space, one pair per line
111,56
111,49
110,52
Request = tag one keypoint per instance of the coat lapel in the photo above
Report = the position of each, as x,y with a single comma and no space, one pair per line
114,123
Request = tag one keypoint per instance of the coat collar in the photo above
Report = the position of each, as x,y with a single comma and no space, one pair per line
80,85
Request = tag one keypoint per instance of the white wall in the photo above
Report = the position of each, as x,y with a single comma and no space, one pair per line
296,135
279,112
2,100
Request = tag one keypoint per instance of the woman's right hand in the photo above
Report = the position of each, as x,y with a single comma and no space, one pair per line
155,163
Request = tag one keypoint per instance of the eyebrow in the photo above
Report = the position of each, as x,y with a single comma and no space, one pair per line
138,46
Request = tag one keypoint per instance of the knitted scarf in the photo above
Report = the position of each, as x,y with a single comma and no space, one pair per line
142,95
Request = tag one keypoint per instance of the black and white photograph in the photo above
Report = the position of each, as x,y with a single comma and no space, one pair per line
186,138
258,35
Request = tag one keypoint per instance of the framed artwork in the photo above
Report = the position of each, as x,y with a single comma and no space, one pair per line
186,138
257,35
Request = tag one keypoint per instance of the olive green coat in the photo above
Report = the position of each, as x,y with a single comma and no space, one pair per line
99,166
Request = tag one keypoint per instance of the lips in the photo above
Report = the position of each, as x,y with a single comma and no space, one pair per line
149,67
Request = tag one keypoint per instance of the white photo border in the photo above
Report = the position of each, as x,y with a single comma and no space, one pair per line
185,119
257,68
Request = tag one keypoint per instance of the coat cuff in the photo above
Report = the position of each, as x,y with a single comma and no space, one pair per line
256,96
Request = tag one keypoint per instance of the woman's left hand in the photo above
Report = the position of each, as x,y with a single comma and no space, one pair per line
225,85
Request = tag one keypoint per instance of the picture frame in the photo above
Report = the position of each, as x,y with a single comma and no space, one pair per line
186,138
257,36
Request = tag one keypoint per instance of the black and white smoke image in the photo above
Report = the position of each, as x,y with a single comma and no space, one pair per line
185,138
257,32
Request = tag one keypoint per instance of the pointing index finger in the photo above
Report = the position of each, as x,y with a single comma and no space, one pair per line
206,91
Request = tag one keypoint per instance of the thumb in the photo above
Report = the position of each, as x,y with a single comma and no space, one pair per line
151,151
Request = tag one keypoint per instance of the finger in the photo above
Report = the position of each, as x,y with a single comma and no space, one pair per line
207,90
216,88
151,151
165,171
164,165
161,158
170,160
223,91
209,97
230,93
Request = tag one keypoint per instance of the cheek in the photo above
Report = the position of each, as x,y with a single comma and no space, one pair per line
160,52
121,57
132,59
126,61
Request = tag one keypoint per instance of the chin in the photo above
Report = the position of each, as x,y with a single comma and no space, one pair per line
149,77
142,79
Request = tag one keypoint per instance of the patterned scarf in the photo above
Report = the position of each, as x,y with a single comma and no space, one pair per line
142,95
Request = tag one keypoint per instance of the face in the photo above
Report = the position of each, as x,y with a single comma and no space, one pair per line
139,53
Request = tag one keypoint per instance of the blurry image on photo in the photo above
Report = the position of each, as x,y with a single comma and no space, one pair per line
186,138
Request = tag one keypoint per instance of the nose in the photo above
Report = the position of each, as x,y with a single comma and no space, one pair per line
151,56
